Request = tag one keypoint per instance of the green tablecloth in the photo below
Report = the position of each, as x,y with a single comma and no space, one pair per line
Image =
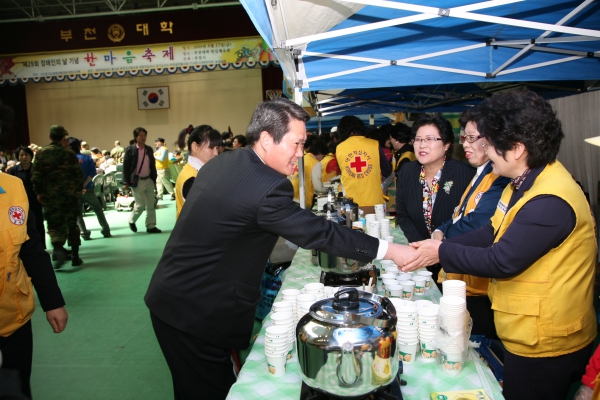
255,382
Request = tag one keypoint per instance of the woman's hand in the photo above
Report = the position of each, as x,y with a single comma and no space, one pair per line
426,254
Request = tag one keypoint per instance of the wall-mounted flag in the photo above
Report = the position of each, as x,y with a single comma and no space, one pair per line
152,98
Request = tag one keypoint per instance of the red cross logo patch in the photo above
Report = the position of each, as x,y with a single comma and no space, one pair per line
358,164
16,215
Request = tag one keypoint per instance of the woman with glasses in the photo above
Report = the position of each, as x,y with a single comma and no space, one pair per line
539,249
431,187
476,207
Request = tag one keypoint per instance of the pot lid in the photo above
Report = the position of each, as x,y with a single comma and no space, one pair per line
347,307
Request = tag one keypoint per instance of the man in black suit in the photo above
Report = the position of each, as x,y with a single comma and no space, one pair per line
205,289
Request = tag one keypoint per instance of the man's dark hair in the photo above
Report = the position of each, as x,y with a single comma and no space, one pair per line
318,147
57,132
521,116
75,145
349,125
241,140
382,134
137,131
274,116
401,132
443,126
24,149
201,135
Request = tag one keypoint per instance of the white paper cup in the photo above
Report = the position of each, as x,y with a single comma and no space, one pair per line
290,292
420,285
388,238
370,217
407,353
398,303
314,287
422,303
403,276
428,312
386,262
428,275
276,332
428,350
408,291
385,282
393,290
276,365
388,275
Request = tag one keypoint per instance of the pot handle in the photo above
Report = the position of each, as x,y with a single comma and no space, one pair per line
349,368
346,299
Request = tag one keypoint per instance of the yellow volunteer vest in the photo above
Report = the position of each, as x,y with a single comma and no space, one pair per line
326,176
186,173
309,162
547,310
406,155
17,301
162,164
476,286
358,158
391,192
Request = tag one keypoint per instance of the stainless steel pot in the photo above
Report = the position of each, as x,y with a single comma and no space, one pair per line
346,344
341,265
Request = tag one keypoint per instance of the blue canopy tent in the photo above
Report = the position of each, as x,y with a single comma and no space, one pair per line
355,44
329,122
327,44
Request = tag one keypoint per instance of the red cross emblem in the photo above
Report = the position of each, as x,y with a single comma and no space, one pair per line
358,164
16,215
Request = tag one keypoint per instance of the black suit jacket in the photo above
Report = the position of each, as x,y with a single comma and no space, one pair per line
130,159
207,282
409,197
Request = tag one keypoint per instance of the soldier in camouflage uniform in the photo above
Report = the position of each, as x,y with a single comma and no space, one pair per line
58,181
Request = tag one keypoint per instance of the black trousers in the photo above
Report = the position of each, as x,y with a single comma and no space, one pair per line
17,354
548,378
480,308
199,370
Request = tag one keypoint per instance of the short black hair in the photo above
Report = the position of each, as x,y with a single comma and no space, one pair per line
443,126
349,125
274,116
469,115
401,133
382,134
241,140
521,116
204,134
24,149
318,147
137,131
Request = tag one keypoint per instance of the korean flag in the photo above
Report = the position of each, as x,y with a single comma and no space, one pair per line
152,98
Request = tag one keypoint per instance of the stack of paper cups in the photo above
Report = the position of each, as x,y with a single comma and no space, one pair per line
427,328
407,331
385,228
451,337
303,303
279,345
374,228
380,212
455,288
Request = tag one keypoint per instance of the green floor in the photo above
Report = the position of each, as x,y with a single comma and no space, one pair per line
108,350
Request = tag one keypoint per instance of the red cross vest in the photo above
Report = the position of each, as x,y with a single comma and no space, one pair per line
17,301
358,158
326,176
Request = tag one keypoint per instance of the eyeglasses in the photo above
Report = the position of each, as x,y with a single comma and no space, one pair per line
468,138
428,140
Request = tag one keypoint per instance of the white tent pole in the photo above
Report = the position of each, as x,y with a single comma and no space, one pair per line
563,21
301,178
427,13
565,39
581,54
276,37
539,65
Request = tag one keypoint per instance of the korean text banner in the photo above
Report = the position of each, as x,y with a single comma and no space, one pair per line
141,58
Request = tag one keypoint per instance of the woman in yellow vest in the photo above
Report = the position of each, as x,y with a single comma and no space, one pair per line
475,209
362,164
316,149
404,152
539,248
202,144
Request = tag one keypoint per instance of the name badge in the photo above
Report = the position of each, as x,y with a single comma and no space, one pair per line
502,207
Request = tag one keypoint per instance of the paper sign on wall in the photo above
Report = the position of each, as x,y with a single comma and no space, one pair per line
152,98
